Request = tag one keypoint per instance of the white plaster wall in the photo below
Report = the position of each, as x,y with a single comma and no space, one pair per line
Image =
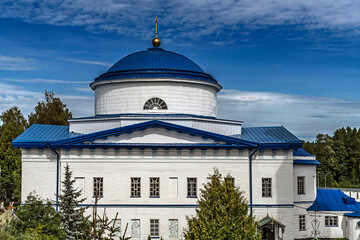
180,97
154,135
333,232
279,167
213,125
309,172
38,173
117,167
353,231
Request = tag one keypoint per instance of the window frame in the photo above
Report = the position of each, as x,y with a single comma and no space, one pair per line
191,187
266,188
135,187
157,102
302,222
301,189
154,191
331,221
154,228
97,185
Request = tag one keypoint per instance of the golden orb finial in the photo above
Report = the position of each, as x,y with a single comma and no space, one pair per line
156,41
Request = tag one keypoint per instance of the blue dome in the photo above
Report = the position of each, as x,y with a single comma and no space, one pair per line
156,63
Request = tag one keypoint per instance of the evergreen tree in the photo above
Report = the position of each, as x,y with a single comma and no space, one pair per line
222,214
52,111
70,211
37,215
13,124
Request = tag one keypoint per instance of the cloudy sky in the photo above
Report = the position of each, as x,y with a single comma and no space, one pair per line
292,63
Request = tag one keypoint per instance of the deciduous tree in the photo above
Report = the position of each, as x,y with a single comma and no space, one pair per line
52,111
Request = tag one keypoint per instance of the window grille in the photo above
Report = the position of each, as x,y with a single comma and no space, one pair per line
98,187
154,227
155,104
136,187
301,185
331,221
191,187
155,187
302,223
266,187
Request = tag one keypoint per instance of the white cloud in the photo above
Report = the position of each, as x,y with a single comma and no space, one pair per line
13,95
87,62
190,19
41,80
305,116
16,63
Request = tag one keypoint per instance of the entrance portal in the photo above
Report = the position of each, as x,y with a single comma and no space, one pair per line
271,229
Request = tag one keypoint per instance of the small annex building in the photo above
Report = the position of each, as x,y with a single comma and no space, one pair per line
154,139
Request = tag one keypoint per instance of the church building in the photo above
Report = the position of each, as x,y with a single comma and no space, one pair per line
154,140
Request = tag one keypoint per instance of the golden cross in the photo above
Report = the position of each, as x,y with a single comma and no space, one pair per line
156,26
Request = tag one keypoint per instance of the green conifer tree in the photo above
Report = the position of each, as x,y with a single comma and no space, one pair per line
222,214
70,211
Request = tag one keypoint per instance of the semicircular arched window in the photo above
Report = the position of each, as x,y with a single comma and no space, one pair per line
155,104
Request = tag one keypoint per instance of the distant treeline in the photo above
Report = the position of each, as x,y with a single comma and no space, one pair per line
339,156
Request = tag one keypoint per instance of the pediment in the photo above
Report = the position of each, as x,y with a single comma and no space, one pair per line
155,135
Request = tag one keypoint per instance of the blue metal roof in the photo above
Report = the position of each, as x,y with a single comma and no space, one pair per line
268,136
43,133
306,162
353,214
155,124
334,200
302,153
58,136
39,135
156,63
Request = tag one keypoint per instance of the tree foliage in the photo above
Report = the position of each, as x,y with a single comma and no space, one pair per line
37,217
339,156
52,111
222,213
70,210
13,124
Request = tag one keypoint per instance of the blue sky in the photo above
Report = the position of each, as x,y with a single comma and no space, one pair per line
291,63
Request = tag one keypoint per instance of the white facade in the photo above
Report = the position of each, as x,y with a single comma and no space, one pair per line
124,141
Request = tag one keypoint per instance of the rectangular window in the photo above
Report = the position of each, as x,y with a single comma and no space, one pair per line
191,187
301,185
98,187
302,223
135,228
331,221
154,227
173,228
136,187
155,187
266,187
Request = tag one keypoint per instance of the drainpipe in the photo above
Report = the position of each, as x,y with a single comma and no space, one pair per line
250,176
57,177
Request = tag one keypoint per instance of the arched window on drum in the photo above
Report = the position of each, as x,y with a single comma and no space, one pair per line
155,104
